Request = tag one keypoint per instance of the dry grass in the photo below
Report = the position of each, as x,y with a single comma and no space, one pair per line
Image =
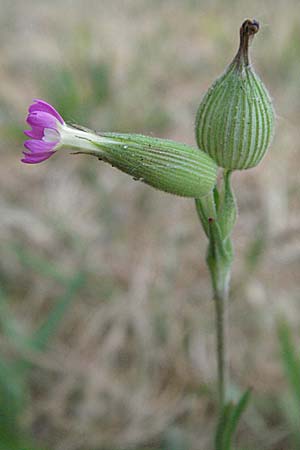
134,357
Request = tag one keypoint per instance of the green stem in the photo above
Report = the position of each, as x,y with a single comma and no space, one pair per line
221,310
219,259
217,214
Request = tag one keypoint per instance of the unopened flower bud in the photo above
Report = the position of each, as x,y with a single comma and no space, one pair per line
235,120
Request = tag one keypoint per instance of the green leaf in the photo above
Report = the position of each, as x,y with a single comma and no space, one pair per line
221,427
290,409
291,362
229,421
202,215
290,359
206,208
234,419
227,210
216,197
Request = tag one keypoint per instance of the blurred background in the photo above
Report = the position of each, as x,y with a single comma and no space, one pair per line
107,338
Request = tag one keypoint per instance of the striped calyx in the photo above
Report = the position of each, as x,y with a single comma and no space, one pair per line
235,120
166,165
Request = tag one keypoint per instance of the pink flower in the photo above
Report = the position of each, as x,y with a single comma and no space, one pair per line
46,125
163,164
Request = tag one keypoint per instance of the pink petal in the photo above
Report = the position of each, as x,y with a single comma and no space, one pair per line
37,146
35,133
41,119
36,159
41,105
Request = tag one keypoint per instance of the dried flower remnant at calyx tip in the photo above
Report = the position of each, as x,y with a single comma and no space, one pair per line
163,164
247,31
235,119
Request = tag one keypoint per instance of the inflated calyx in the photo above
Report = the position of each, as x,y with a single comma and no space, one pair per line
235,120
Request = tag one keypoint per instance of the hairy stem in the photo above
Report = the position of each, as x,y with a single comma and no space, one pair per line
221,311
219,262
217,213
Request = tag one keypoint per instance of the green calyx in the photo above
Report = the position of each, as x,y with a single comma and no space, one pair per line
166,165
235,120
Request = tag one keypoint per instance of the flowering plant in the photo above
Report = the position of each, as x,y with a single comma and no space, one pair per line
234,127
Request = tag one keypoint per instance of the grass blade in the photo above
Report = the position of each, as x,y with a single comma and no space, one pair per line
221,427
291,360
234,419
52,322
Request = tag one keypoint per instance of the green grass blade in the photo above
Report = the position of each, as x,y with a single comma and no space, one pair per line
52,322
221,427
9,326
290,359
40,265
234,419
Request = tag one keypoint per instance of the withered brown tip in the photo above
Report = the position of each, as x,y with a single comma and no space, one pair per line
247,31
250,27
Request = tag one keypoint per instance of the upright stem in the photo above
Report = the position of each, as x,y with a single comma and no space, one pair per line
221,310
219,260
220,268
217,213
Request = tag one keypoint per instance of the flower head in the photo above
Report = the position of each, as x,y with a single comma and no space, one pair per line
46,125
165,165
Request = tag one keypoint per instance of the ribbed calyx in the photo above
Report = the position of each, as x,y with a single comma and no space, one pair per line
235,120
166,165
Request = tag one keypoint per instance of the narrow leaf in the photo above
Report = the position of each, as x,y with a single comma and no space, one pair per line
234,419
290,360
222,423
